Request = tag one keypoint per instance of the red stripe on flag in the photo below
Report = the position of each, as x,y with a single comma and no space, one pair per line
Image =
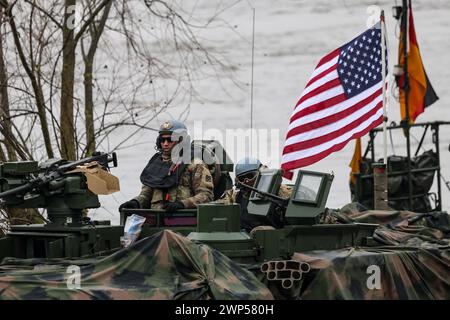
320,75
331,118
325,87
332,135
329,57
412,30
288,166
319,106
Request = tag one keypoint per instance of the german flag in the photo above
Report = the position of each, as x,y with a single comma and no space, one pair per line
421,93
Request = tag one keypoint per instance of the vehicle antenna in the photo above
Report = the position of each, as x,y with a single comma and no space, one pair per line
251,92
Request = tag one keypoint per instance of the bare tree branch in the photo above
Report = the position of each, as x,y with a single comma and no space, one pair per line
49,15
37,90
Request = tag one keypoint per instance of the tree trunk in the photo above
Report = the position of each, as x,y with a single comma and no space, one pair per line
16,216
2,155
96,32
39,96
67,84
89,108
4,103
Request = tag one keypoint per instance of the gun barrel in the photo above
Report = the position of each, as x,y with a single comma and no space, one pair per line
20,189
102,158
282,202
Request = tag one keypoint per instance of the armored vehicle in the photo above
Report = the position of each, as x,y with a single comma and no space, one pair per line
316,253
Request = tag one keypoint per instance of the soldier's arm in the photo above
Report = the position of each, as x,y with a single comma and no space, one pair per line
202,187
285,191
145,197
228,197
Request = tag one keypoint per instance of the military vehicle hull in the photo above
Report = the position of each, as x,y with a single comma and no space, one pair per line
354,260
317,253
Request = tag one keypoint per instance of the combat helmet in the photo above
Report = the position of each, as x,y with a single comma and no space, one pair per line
176,129
247,165
170,126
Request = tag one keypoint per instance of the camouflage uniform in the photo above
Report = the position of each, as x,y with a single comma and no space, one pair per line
229,197
195,186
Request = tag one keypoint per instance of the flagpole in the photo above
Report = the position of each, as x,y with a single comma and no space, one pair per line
380,171
383,71
406,93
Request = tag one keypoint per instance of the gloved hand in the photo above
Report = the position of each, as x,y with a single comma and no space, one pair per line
173,206
131,204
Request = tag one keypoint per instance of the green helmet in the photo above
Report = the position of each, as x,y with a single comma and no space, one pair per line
246,165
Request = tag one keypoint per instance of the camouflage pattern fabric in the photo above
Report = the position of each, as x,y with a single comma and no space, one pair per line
413,257
403,228
195,187
411,261
164,266
403,274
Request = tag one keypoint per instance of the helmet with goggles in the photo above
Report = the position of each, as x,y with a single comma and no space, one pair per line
176,129
247,168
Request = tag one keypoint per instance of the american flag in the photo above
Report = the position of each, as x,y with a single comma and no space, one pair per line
341,101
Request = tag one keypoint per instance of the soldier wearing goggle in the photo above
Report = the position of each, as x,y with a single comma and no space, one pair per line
247,170
170,182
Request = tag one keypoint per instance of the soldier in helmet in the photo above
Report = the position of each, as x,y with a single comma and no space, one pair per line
246,171
170,182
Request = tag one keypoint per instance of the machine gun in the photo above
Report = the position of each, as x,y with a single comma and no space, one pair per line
65,189
55,169
51,185
279,201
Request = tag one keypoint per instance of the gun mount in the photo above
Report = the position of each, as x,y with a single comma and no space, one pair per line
266,196
65,189
303,207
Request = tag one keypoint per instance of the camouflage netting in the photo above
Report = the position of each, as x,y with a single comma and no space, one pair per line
413,258
404,228
352,274
411,261
164,266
